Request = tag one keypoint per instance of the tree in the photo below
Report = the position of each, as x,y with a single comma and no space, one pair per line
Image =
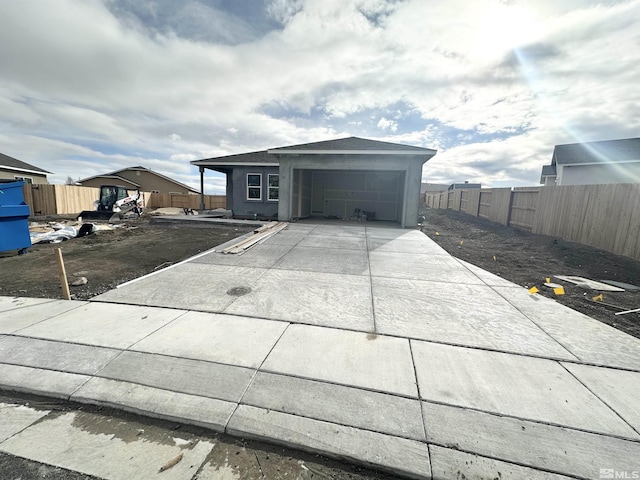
70,181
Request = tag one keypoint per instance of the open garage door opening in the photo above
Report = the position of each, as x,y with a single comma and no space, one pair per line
348,195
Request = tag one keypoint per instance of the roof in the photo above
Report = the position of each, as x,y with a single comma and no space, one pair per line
113,179
116,176
351,145
11,163
261,157
341,146
607,151
547,171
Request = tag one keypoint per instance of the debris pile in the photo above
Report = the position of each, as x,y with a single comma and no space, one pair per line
57,232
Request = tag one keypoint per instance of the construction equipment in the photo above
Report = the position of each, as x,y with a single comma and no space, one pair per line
114,202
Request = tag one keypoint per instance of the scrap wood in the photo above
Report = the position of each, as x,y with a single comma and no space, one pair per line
265,227
606,304
635,310
587,283
244,245
171,463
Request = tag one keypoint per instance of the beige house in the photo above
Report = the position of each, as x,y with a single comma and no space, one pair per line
140,178
12,169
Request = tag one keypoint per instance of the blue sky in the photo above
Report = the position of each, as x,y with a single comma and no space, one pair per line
92,86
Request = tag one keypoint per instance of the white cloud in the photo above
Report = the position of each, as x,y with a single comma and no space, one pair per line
90,85
385,124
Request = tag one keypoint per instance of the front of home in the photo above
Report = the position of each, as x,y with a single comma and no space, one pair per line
338,179
609,161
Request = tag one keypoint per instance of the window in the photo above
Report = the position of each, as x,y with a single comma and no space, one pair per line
254,186
274,187
27,180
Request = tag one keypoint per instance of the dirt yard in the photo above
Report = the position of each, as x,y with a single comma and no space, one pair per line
107,258
527,259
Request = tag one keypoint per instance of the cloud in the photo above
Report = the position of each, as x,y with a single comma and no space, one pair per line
97,85
385,124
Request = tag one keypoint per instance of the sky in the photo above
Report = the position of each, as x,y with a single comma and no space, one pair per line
94,86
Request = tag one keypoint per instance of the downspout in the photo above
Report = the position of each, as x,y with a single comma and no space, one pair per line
201,190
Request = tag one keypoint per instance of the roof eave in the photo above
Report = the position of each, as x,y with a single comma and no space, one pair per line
16,169
234,164
425,151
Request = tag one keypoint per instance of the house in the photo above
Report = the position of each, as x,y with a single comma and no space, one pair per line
463,186
433,187
343,178
140,178
14,170
609,161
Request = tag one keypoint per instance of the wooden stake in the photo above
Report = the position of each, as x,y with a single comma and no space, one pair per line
63,275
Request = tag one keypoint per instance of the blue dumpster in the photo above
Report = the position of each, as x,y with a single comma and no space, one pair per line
14,214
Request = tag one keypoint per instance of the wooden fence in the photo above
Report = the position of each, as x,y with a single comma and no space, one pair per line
70,200
211,202
603,216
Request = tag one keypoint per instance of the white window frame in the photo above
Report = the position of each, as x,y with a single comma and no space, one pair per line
269,187
24,179
259,187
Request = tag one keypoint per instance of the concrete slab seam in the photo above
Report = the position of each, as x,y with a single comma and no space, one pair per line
146,413
47,318
184,312
141,383
373,305
279,261
424,424
253,377
46,300
536,324
329,382
38,420
531,420
471,452
341,424
599,398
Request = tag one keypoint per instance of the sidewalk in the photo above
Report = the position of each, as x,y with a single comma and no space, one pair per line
370,344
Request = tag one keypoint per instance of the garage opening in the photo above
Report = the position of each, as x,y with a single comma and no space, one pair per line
348,194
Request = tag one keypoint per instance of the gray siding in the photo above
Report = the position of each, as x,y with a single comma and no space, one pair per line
240,205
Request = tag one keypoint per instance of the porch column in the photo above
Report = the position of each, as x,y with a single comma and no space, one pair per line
286,189
201,190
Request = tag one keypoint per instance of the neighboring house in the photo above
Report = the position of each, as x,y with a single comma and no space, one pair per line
433,187
12,169
140,178
463,186
609,161
331,179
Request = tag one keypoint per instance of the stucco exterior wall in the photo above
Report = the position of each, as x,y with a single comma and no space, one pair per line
12,174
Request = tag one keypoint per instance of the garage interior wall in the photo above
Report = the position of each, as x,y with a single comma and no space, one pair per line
301,197
338,193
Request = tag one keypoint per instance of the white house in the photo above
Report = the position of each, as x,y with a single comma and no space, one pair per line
609,161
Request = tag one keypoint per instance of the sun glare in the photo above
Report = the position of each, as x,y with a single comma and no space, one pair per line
503,28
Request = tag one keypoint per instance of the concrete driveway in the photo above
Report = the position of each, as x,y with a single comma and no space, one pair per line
371,344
